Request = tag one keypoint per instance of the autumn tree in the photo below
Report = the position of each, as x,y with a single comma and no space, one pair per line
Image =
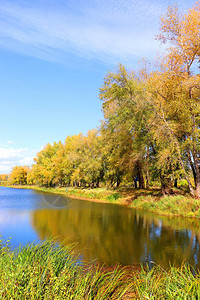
91,166
31,177
4,179
174,93
18,175
44,169
76,162
125,121
73,148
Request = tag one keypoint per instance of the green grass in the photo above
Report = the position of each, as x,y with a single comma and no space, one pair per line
96,193
49,271
176,283
169,205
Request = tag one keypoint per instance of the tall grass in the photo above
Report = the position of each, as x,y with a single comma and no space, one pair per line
48,271
176,283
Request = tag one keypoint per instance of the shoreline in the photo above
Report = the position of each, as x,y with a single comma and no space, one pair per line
62,191
178,205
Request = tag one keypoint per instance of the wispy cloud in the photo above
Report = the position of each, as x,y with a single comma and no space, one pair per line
114,30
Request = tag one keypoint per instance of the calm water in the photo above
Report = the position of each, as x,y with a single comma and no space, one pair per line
108,233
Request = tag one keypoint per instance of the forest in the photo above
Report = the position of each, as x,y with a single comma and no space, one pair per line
151,123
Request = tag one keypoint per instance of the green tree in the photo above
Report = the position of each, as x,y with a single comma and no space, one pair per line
126,114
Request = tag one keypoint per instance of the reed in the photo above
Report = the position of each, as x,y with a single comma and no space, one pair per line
49,271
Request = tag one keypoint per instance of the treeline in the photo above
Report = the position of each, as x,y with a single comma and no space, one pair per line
151,125
80,161
3,179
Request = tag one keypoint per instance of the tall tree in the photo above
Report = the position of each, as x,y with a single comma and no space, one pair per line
175,93
125,115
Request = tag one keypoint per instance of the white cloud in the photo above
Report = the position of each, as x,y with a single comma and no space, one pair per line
11,152
11,157
113,30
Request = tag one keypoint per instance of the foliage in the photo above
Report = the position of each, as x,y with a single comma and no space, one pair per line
19,175
4,179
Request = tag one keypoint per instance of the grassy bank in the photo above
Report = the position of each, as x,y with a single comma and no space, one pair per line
48,271
96,194
169,205
179,204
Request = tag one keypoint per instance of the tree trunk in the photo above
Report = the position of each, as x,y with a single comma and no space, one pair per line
140,175
166,185
192,166
135,182
147,179
175,183
147,169
118,181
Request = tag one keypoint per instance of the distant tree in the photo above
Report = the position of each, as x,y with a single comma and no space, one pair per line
18,175
44,169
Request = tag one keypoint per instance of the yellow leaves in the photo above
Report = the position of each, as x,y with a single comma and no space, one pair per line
190,29
192,84
19,175
170,25
3,177
184,34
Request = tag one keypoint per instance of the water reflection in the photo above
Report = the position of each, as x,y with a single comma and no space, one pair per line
108,233
114,234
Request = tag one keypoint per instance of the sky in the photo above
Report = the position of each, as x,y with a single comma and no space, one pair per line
54,55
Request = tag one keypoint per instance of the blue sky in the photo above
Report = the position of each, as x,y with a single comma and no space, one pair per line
54,55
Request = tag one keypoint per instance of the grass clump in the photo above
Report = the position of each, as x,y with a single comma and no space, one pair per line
48,271
176,283
113,197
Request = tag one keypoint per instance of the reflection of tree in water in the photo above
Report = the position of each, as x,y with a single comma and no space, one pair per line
112,234
177,241
109,237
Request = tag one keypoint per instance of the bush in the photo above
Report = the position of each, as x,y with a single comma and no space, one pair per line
113,197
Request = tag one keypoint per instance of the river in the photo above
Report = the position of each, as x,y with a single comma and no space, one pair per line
106,233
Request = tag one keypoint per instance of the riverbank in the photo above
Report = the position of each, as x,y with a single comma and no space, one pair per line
181,204
49,271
